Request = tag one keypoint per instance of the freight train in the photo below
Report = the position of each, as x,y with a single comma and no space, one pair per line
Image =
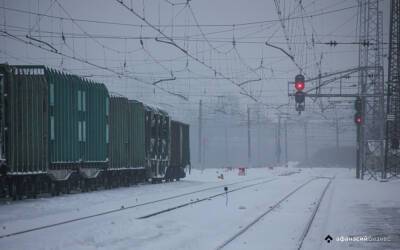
60,133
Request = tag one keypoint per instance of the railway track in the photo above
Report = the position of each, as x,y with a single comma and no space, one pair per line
203,199
124,208
312,217
277,204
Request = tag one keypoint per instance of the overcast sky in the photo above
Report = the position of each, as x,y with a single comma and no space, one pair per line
224,39
116,45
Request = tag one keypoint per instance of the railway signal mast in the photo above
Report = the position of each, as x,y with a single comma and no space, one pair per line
300,96
392,136
369,117
357,116
358,120
371,86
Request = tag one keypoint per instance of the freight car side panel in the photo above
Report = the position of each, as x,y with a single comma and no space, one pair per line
149,140
155,145
77,121
185,145
164,135
176,146
97,96
136,156
26,112
63,146
180,145
118,132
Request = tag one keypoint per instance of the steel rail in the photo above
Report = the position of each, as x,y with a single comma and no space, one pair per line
312,217
121,209
203,199
271,208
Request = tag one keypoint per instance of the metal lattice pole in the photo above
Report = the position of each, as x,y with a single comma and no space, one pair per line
371,82
248,138
200,131
392,152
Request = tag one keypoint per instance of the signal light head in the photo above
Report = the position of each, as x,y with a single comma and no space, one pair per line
299,97
299,82
358,119
299,86
358,105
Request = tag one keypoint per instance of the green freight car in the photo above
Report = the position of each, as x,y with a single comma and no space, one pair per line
185,145
137,156
118,132
52,126
126,148
60,132
24,129
163,141
24,120
157,134
78,123
180,151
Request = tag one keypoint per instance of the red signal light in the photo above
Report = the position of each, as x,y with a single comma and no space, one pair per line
358,119
299,82
299,86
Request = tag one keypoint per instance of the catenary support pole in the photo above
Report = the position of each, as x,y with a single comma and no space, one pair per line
200,131
248,138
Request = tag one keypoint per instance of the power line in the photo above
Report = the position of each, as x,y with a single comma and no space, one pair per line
119,74
332,43
204,39
174,3
171,41
88,34
201,31
317,13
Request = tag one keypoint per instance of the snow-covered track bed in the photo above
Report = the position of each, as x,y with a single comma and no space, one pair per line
198,225
212,189
204,199
245,233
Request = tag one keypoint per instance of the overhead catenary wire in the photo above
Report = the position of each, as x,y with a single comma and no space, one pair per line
88,34
332,43
315,14
119,74
201,30
152,74
171,41
290,53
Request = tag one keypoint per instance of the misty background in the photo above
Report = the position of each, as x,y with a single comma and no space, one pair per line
124,47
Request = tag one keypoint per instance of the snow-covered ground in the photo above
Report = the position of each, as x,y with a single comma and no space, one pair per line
350,208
